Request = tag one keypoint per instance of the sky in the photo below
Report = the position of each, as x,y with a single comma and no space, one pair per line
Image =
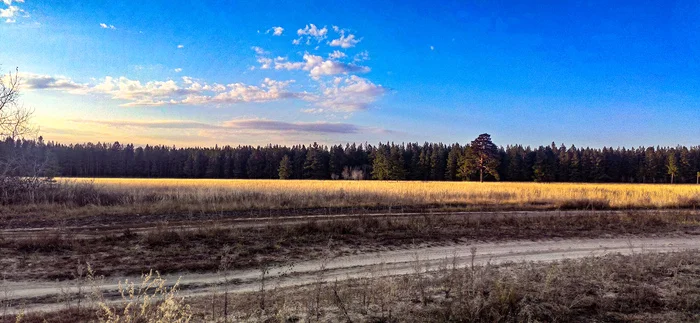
204,73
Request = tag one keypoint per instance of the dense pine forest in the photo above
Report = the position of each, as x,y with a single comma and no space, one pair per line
385,161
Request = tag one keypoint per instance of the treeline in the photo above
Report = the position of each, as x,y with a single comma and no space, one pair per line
386,161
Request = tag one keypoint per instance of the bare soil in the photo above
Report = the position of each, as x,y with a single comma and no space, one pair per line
197,246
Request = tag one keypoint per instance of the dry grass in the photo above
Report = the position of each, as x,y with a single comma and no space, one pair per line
81,198
636,288
197,195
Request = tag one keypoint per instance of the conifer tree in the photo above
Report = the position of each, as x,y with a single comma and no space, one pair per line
380,165
484,156
285,169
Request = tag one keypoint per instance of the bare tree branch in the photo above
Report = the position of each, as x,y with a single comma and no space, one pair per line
21,170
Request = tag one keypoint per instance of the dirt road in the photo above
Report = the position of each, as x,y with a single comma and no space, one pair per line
43,295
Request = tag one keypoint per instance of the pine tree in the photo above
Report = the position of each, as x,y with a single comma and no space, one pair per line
285,169
485,156
452,163
380,165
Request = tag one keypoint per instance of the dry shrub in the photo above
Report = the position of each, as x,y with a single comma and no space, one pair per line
151,301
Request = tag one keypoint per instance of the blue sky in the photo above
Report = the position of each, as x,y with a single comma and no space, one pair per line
588,73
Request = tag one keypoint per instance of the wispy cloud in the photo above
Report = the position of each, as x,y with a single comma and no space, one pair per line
106,26
265,62
259,50
254,125
180,46
281,126
177,70
156,124
361,56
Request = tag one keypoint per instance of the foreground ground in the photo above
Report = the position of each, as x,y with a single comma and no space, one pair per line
235,238
641,286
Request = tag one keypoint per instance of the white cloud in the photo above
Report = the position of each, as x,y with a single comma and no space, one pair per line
9,2
345,42
346,94
337,54
106,26
350,94
181,46
432,48
317,66
311,32
276,31
269,90
155,93
10,13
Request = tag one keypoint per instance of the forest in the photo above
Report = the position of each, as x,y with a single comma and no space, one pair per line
384,161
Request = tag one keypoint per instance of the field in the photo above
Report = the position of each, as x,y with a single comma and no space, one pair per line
280,242
177,196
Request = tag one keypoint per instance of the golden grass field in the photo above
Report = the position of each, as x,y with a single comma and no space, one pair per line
221,195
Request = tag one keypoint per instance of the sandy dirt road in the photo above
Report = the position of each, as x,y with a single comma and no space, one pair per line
38,296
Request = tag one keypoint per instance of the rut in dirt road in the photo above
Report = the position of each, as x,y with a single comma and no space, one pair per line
374,265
